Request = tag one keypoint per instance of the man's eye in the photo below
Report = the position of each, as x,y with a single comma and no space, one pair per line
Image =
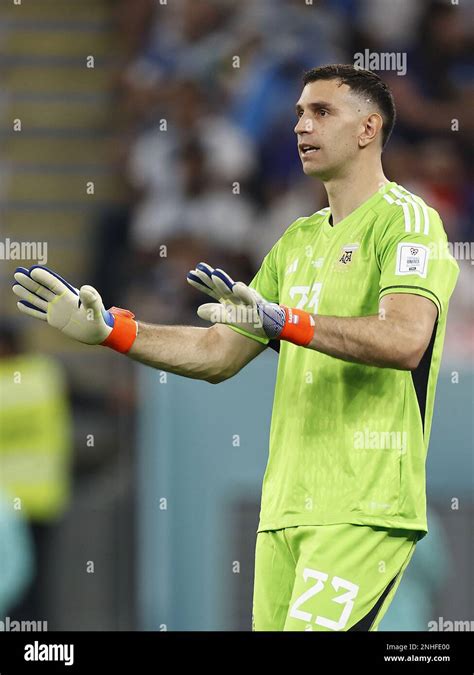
323,113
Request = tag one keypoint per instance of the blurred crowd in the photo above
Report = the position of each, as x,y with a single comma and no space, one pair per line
205,112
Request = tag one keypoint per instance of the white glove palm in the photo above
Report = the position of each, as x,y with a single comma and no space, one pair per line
238,305
79,314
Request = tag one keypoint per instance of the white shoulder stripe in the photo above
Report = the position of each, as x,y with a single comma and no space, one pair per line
406,214
416,209
406,211
426,218
406,199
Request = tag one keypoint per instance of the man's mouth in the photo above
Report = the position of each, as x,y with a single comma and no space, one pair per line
307,149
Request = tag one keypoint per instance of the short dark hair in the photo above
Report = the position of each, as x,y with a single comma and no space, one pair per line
361,82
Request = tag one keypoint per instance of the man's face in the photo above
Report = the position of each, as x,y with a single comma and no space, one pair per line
330,119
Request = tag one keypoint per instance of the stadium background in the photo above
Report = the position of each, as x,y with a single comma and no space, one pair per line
139,138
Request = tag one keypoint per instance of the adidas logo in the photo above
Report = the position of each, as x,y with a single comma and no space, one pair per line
293,267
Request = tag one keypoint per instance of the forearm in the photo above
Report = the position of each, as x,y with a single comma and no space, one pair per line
184,350
367,339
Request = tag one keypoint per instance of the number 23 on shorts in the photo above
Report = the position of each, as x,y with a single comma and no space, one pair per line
346,599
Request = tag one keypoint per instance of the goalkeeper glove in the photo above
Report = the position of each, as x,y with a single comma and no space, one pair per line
78,313
247,311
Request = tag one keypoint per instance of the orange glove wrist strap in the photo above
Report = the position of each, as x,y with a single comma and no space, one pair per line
124,332
298,328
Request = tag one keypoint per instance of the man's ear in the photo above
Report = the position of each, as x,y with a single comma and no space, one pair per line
372,126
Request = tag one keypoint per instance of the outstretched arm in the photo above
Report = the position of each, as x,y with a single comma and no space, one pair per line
212,354
395,338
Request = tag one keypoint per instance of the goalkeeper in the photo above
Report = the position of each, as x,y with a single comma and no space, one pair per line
355,297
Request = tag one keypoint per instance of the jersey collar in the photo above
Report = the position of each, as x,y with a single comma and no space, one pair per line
330,230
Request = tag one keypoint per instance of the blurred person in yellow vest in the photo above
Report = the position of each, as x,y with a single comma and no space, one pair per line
35,444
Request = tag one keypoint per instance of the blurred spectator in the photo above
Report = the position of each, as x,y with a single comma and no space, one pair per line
186,38
436,89
389,22
442,181
161,290
229,155
35,449
283,206
197,207
171,233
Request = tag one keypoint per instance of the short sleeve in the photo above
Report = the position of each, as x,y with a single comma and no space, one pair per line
414,257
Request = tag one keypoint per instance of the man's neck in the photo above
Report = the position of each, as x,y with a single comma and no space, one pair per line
346,193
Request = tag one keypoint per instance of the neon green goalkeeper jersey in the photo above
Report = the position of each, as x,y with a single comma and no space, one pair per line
348,442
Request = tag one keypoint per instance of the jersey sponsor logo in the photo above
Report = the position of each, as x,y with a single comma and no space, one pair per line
293,267
412,259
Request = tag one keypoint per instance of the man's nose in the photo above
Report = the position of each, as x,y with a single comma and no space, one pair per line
300,126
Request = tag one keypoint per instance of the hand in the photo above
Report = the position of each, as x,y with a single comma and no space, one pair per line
238,305
78,313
